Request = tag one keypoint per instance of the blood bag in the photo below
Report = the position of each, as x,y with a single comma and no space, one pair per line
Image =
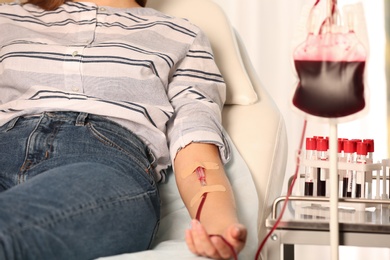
330,66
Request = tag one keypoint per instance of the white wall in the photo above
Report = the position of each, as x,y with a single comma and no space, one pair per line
267,28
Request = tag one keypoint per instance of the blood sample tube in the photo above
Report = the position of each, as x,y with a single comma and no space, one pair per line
311,154
361,155
349,154
322,173
370,150
340,158
369,159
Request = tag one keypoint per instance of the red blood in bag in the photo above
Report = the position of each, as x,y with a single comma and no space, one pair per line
330,88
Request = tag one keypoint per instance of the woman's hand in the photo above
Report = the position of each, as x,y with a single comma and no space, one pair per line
203,244
219,235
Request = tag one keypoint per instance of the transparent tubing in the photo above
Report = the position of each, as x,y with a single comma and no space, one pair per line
329,12
334,195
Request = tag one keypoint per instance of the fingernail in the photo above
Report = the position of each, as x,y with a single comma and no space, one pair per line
194,223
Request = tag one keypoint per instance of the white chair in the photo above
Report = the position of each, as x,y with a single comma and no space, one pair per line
256,129
252,121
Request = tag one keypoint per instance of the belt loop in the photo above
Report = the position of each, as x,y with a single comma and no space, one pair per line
151,157
81,118
11,124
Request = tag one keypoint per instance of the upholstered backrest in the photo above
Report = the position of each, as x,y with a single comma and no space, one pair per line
239,87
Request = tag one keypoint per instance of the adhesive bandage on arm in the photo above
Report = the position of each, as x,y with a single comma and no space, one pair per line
198,168
205,165
206,189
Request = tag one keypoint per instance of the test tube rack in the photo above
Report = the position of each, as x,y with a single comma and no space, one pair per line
381,169
317,207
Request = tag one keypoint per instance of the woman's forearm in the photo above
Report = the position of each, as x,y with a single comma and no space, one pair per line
219,210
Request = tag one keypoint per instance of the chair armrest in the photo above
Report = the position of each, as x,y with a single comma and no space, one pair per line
259,133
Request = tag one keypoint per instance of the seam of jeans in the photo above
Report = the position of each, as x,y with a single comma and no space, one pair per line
26,162
53,218
11,124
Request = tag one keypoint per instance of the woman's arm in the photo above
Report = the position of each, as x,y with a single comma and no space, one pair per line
218,214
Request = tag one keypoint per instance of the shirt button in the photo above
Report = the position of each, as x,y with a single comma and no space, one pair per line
102,9
75,89
74,53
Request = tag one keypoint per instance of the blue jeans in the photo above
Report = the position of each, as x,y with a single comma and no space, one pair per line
74,186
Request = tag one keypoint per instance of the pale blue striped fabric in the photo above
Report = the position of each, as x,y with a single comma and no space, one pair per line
152,73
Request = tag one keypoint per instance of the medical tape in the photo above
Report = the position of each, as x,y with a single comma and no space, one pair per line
206,189
205,165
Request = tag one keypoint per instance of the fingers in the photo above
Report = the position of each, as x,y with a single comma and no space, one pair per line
236,236
200,243
239,232
225,249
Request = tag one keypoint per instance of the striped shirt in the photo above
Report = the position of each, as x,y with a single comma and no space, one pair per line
152,73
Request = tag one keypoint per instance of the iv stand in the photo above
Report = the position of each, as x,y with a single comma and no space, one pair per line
334,196
333,172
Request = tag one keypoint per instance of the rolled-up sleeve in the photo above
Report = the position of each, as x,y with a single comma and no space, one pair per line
197,93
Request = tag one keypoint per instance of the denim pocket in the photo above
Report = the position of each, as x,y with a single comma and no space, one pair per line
125,143
9,125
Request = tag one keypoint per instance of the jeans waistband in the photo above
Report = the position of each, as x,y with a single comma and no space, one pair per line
81,119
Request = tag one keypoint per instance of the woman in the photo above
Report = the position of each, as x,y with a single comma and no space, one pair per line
98,99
